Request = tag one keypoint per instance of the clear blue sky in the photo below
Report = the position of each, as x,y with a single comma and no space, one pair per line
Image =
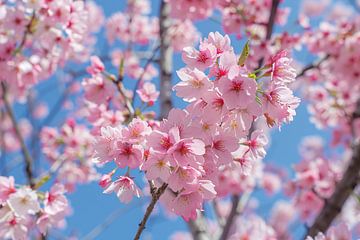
91,207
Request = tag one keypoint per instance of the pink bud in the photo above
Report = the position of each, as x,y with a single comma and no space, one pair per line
105,180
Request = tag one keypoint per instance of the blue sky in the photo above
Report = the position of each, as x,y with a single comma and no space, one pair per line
91,207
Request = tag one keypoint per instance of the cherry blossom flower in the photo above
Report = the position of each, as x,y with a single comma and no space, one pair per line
237,92
125,189
148,93
193,85
7,188
55,201
23,202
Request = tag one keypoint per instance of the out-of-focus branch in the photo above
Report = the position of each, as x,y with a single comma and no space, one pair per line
113,216
270,24
148,61
155,195
343,190
231,217
165,63
272,18
312,66
25,151
198,228
238,205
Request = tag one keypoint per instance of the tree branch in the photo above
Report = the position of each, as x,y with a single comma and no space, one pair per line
166,54
25,151
270,24
312,66
148,61
238,205
154,198
198,229
343,190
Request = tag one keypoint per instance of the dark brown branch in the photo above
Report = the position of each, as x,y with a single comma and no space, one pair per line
238,206
312,66
25,151
165,64
138,82
272,18
198,228
343,190
154,198
235,203
270,24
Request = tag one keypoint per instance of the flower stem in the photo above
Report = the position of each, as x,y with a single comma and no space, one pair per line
155,197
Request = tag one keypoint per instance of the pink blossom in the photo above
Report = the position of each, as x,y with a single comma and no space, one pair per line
339,232
222,145
105,180
128,155
97,66
201,59
55,201
136,131
281,70
23,202
184,177
12,227
227,66
271,183
148,93
186,205
257,143
41,111
279,104
238,92
183,34
97,89
187,151
191,9
125,188
106,144
222,43
157,166
193,85
7,187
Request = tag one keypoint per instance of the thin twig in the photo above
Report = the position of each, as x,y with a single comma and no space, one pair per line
28,31
97,230
25,151
154,198
312,66
238,206
139,81
270,24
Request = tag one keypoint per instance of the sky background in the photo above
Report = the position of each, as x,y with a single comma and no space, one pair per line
92,208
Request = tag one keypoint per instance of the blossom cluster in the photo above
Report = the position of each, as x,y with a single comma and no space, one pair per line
196,150
315,179
40,36
24,211
69,151
236,15
333,86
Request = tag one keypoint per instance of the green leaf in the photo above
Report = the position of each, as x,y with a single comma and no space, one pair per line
42,181
244,54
